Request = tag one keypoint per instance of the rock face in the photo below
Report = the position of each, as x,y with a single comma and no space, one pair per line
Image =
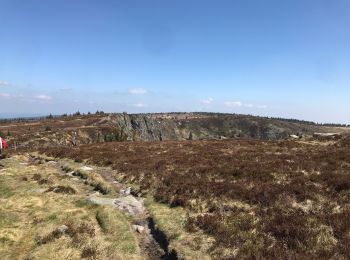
192,126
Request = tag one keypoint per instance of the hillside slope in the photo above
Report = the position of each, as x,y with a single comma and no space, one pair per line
75,130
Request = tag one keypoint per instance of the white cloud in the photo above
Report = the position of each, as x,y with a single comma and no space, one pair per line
233,104
208,101
5,95
261,106
240,104
4,83
137,91
140,105
43,97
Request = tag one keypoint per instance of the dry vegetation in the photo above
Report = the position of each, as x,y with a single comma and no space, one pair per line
44,215
256,199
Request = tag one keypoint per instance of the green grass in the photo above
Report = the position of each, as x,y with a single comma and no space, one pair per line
116,226
82,203
5,190
7,219
28,214
51,217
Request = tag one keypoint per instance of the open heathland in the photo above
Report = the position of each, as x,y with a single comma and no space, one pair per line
251,198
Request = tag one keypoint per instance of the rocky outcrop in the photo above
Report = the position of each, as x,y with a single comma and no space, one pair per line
192,126
74,131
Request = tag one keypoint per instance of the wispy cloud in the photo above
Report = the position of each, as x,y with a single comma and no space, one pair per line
5,95
4,83
137,91
140,105
208,101
43,97
26,98
232,104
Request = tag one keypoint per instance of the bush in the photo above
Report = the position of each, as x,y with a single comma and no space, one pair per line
49,116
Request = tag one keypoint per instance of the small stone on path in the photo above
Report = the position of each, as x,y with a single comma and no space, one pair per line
138,228
86,168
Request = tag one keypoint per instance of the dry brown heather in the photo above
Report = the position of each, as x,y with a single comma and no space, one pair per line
28,130
257,199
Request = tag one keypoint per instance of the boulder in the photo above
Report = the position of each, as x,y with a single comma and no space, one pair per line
130,205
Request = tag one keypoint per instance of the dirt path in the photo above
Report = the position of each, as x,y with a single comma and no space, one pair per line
45,214
152,242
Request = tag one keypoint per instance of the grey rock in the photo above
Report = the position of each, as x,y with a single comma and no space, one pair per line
101,201
86,168
126,191
71,174
130,205
51,162
63,229
138,228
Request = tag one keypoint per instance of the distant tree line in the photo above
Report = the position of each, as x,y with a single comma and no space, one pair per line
50,116
304,122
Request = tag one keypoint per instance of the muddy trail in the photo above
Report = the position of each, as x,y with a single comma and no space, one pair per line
152,241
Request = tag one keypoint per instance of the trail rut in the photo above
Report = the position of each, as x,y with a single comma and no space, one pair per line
152,241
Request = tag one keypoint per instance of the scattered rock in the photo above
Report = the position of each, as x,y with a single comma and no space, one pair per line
51,162
63,229
126,191
86,168
38,190
326,134
294,137
70,174
101,201
138,228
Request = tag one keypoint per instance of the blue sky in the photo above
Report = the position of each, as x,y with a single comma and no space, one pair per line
277,58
